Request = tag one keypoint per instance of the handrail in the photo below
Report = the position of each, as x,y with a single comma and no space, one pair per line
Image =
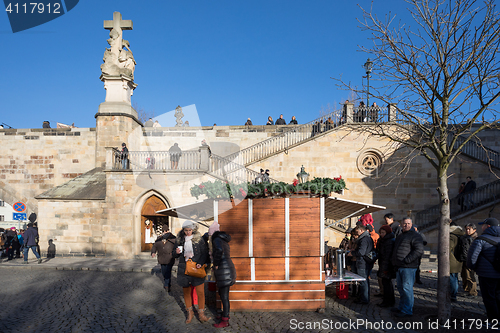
188,160
475,150
281,142
223,168
460,204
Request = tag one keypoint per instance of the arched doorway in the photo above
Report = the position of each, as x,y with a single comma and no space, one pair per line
152,224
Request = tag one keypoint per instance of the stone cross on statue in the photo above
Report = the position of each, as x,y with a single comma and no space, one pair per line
118,59
118,25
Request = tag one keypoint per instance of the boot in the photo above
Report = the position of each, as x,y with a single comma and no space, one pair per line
224,323
190,315
201,314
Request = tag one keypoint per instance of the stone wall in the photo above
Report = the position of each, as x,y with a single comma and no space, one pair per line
39,159
35,160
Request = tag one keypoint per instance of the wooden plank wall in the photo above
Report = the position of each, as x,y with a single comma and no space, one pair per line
269,228
269,254
277,296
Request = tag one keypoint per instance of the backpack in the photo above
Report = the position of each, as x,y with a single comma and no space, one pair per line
496,259
459,252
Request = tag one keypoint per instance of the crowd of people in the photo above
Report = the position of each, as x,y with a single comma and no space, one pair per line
399,248
279,121
16,243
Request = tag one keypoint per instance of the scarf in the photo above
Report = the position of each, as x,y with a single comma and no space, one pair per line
188,247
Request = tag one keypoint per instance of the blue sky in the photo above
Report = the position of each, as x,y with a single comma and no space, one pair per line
231,59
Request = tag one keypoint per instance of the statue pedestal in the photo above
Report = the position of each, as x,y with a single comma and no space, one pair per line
118,88
116,121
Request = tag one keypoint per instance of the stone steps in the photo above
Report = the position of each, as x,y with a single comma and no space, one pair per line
429,256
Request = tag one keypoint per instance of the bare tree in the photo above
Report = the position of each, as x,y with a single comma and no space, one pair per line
142,114
441,73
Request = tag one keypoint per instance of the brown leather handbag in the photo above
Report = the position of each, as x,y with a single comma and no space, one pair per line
191,270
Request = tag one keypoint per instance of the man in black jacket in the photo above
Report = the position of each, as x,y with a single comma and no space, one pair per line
280,120
468,192
164,247
468,275
364,245
408,249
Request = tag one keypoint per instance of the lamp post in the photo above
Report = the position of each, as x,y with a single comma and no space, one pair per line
303,176
368,68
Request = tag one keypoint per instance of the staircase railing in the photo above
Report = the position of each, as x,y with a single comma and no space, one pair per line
287,139
476,150
222,168
460,204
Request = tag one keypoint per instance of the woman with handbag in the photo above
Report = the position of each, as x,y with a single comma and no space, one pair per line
192,252
225,273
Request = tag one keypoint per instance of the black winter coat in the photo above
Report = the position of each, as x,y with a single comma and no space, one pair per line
225,273
464,244
385,247
364,244
408,248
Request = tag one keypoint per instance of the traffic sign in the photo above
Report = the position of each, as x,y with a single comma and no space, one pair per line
19,207
19,216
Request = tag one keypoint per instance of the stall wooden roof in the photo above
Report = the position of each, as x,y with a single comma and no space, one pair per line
201,210
335,209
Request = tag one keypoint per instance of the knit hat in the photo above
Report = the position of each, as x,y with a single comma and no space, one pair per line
386,228
188,224
213,228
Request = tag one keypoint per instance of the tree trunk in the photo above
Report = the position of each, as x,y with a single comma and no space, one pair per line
443,290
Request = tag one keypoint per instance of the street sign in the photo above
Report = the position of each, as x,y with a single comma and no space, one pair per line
19,216
19,207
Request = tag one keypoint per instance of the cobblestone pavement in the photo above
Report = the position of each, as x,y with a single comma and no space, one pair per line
79,295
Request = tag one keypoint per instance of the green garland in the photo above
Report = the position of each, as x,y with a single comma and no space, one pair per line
224,190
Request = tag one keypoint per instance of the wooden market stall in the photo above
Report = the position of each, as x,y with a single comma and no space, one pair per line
277,246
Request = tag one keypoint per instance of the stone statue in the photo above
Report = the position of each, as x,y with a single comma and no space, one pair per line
178,116
118,58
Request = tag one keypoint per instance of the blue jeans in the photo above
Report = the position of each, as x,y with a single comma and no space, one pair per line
26,250
166,271
405,278
364,270
454,285
125,163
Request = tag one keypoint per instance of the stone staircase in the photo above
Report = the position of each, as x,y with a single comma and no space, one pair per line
429,256
288,139
483,197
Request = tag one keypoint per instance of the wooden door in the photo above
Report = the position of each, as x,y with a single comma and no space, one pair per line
151,222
